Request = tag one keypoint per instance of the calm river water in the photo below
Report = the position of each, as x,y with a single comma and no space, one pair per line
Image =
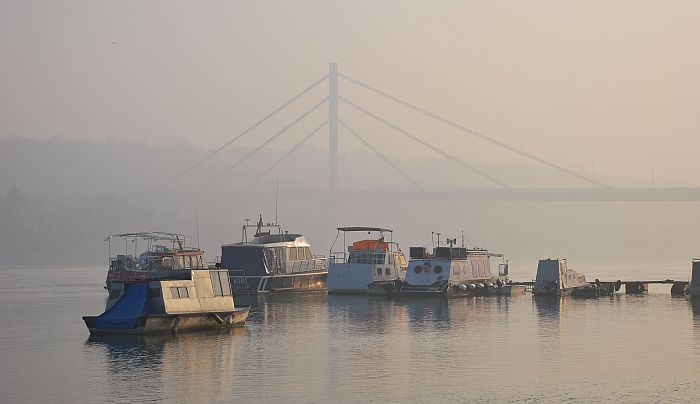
318,348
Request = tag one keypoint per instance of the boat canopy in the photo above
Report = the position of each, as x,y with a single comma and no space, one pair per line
363,228
370,245
150,235
127,311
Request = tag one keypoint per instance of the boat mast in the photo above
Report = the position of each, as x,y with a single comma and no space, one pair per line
196,223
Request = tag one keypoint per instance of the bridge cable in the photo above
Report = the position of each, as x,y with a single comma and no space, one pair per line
424,143
273,165
275,136
381,156
475,133
245,132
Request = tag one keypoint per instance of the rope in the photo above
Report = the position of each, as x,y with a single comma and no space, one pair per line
381,156
304,140
275,136
424,143
475,133
245,132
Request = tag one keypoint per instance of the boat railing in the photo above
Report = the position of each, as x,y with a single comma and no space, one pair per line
360,257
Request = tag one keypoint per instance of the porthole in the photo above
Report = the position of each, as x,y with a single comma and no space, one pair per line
418,269
437,269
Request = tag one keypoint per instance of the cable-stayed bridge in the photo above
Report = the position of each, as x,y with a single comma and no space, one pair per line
592,190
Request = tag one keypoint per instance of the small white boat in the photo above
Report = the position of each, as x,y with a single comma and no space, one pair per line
370,265
555,278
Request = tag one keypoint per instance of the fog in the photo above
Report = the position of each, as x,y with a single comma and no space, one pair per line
103,104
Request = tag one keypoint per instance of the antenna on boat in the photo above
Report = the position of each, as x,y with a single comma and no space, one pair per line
277,191
196,223
462,238
244,233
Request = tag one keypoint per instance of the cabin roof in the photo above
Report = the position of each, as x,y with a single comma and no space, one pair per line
363,228
150,235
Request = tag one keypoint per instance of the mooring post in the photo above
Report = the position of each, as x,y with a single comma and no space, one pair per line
333,126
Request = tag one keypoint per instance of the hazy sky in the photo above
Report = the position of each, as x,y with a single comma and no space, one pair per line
615,82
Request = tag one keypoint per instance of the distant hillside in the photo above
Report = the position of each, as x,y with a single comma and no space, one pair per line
69,166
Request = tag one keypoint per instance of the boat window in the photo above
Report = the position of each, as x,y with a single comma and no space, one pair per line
387,272
309,256
438,269
179,292
216,283
293,256
154,292
418,269
379,272
225,285
220,283
115,293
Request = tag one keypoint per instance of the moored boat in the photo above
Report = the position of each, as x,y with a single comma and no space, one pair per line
370,265
273,262
455,271
165,290
555,278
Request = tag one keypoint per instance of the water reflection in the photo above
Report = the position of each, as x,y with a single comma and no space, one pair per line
695,307
153,364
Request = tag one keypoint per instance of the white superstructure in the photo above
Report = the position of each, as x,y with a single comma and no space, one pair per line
368,265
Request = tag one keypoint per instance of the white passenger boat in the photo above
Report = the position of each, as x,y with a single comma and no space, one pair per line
371,265
451,270
164,290
273,262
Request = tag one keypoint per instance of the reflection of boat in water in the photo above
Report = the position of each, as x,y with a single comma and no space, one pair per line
152,296
371,265
281,262
555,278
455,271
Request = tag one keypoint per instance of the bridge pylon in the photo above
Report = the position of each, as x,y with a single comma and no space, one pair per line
333,127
